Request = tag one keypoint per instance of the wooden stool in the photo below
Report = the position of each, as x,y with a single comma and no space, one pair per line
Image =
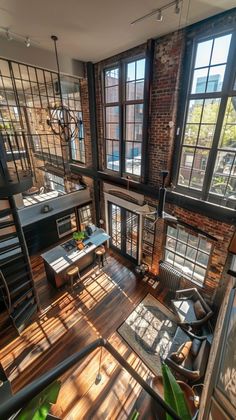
100,254
71,273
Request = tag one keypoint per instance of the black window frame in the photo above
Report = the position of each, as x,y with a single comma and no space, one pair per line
188,245
186,96
122,65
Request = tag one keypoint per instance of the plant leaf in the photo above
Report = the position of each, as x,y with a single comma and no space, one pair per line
39,406
174,395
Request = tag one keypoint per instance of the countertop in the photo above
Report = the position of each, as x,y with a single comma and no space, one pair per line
59,260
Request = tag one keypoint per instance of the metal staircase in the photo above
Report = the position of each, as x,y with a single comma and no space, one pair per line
18,296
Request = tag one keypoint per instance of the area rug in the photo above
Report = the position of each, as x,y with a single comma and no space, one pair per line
149,331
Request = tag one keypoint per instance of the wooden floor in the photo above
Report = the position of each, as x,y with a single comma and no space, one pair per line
67,323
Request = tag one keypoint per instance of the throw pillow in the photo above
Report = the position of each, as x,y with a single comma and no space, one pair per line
182,353
199,310
196,344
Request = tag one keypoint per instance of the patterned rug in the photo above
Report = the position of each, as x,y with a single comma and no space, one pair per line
149,330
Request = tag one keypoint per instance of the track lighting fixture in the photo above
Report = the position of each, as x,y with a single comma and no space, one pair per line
8,35
159,17
177,8
158,12
27,42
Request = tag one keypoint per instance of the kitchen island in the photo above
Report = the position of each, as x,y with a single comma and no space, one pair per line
58,259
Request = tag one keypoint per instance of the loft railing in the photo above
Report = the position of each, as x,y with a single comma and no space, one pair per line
14,157
17,401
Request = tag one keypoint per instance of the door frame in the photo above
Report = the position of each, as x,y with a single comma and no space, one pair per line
122,251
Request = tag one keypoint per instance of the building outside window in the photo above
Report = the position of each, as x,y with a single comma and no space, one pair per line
124,102
187,253
207,167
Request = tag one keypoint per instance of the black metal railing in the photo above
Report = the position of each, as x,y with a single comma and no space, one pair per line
14,157
17,401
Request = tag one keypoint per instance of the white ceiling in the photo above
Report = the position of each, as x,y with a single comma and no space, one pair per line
92,30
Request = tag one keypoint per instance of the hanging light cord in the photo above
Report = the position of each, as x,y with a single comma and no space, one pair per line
55,39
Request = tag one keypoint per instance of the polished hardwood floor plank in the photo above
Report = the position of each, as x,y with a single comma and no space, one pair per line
69,321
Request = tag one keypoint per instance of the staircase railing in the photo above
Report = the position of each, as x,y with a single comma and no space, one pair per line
17,401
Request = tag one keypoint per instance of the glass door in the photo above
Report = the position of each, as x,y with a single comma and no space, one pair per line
124,231
115,225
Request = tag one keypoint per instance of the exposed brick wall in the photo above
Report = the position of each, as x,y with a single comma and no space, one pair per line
86,121
167,67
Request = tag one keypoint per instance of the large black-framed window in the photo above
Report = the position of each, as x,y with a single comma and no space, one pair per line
124,116
207,162
188,253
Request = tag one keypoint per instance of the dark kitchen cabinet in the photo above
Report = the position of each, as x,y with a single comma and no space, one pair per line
43,233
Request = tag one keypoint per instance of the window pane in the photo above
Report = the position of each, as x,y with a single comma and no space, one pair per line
139,90
224,177
172,231
140,69
129,132
205,245
228,133
182,235
199,81
138,113
130,91
112,77
210,110
170,243
181,248
202,258
195,111
221,49
203,54
191,253
133,158
112,114
215,79
169,257
130,113
112,131
130,71
191,134
199,273
112,94
206,135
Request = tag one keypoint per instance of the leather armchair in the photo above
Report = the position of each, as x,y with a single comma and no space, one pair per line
183,305
194,366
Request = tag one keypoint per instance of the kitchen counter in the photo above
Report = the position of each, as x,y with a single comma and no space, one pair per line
57,260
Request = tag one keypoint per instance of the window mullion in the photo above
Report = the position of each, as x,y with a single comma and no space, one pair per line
122,97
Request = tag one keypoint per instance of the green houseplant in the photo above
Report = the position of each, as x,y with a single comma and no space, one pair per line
173,395
78,237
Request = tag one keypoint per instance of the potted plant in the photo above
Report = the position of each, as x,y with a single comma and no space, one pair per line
78,237
177,395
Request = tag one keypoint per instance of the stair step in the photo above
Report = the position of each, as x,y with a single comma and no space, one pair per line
20,287
9,247
7,256
22,296
7,261
7,224
5,212
22,308
22,321
15,268
8,236
13,279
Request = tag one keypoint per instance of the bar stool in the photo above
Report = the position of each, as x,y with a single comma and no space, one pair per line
71,273
100,255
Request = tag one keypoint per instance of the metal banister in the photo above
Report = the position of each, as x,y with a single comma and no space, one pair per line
17,401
